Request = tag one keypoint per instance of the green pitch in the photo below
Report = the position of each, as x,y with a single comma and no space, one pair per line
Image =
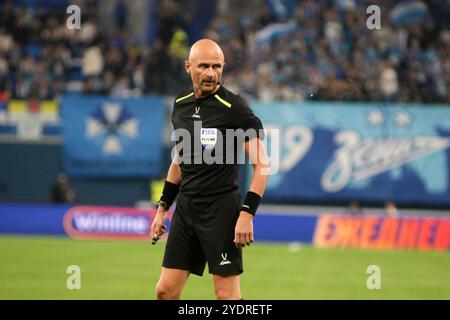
35,268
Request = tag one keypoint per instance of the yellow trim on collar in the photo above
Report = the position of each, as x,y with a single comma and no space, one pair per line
185,97
223,101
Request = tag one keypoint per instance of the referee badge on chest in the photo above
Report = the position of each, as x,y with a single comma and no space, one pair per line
208,137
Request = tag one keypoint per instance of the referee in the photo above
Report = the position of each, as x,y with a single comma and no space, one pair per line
210,224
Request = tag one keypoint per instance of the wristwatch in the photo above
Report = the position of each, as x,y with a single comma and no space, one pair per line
162,204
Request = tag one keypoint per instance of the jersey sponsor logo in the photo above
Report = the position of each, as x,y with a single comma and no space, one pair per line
208,137
224,259
89,222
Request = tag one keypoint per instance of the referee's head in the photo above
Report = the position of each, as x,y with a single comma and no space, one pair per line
205,65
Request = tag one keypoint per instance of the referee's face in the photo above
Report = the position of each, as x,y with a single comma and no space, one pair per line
205,66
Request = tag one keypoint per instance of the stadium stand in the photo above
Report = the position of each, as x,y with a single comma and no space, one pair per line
317,50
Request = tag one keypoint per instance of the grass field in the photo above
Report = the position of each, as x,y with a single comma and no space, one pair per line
35,268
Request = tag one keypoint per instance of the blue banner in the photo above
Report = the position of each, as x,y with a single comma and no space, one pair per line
33,219
366,152
103,136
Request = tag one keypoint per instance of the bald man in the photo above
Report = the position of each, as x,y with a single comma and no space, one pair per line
210,223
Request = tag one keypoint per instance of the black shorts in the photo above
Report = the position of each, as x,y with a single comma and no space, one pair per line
202,230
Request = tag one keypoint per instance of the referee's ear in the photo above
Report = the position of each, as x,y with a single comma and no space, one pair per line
187,66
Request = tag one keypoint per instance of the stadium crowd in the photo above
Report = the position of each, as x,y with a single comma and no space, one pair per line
327,52
321,50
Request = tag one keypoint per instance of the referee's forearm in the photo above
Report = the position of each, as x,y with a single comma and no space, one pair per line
174,174
259,180
257,154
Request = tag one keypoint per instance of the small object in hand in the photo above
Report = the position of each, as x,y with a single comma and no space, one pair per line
155,237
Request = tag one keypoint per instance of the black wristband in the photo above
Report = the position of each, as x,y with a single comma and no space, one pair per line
251,203
170,192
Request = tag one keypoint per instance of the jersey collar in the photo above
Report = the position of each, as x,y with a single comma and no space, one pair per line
211,95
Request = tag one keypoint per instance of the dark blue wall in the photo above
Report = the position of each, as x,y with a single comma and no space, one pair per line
28,171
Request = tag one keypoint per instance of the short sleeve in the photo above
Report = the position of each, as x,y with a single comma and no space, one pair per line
244,118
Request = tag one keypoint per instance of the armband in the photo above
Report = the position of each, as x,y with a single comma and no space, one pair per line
251,203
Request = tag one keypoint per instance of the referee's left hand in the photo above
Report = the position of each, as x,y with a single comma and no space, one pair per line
243,232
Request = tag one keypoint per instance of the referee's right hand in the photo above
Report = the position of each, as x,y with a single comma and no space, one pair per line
158,228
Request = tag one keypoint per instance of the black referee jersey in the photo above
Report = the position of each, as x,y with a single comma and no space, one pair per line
204,170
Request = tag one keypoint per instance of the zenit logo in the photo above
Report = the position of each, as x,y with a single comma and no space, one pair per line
83,222
113,124
358,158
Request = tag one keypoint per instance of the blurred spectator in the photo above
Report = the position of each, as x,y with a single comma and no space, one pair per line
62,191
390,209
170,16
60,62
88,31
120,13
114,60
179,45
121,88
6,41
93,62
354,208
388,82
108,81
3,66
138,79
156,70
156,188
21,89
92,85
